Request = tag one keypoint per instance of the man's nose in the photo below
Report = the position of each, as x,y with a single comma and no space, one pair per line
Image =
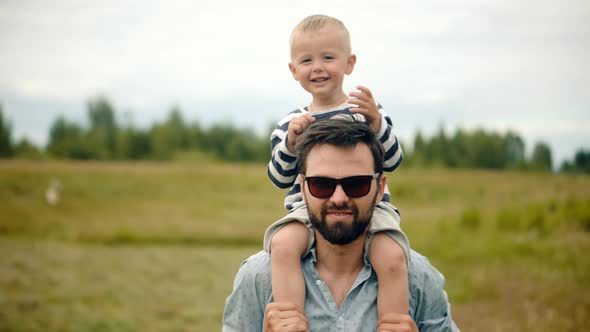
339,196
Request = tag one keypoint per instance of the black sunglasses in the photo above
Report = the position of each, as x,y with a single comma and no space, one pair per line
353,186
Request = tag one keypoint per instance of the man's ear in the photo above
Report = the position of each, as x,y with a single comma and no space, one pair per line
382,182
302,187
293,70
350,64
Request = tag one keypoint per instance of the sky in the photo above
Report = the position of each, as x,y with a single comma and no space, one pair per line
520,65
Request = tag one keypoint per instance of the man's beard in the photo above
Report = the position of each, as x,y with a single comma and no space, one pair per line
341,232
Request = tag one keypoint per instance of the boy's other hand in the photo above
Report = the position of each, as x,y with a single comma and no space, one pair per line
296,128
284,316
394,322
366,106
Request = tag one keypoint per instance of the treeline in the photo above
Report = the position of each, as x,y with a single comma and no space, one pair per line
479,149
106,139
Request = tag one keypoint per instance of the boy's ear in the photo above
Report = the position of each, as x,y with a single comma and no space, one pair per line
350,64
293,70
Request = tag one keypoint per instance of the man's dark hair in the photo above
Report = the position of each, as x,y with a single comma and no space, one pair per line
341,132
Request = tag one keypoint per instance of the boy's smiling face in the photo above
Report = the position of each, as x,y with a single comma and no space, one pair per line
319,61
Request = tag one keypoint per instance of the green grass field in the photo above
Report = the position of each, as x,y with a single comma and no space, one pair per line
154,247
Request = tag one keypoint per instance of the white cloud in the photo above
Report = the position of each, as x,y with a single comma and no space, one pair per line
484,63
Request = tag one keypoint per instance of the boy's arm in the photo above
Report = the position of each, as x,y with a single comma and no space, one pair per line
393,150
282,167
380,122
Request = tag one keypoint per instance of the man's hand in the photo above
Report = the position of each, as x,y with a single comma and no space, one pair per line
394,322
284,316
296,128
366,106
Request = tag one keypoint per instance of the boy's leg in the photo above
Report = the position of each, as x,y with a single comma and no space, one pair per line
389,253
287,240
287,245
389,261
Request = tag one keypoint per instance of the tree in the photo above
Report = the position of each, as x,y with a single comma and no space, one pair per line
541,159
170,136
230,143
66,140
436,151
6,148
27,150
458,149
418,151
59,135
195,136
567,167
580,164
133,144
489,149
582,161
102,135
514,146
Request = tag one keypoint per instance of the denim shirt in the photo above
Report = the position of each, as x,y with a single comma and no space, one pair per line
245,307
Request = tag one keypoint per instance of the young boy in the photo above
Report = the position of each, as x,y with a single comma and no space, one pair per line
320,58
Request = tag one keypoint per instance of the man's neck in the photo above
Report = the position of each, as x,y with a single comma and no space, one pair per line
339,265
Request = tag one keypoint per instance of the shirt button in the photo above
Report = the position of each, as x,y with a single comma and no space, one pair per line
318,282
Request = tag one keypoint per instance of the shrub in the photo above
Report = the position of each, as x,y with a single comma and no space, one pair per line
509,220
471,219
535,218
577,212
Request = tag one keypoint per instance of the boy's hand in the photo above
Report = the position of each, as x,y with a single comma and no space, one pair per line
394,322
296,128
284,316
366,106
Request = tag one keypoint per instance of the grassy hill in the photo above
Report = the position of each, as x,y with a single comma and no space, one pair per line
155,246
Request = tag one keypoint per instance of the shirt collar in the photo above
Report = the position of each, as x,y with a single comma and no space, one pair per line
311,255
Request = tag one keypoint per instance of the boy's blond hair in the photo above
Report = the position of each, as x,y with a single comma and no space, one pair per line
315,23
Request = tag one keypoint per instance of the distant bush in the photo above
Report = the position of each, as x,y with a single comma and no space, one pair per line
24,149
529,218
471,219
577,212
443,225
534,218
509,219
403,191
545,217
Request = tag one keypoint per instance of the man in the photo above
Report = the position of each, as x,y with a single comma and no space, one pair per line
342,181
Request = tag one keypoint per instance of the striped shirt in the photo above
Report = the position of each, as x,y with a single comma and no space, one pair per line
282,168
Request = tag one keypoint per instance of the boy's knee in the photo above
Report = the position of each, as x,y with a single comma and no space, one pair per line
291,239
386,254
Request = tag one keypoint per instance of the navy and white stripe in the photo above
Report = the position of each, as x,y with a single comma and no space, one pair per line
282,166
